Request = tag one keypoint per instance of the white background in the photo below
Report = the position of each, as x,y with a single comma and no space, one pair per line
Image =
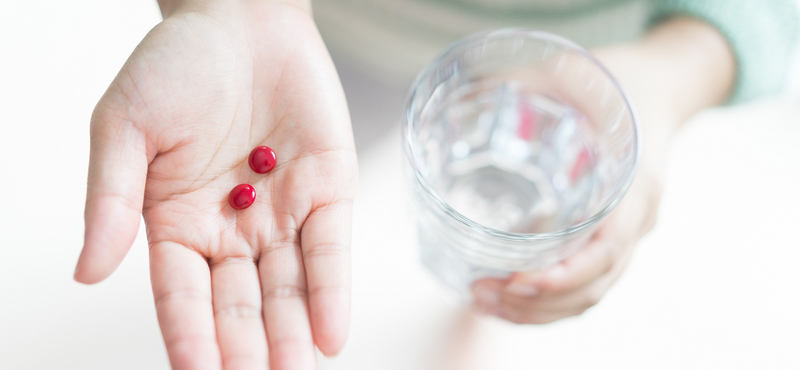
715,285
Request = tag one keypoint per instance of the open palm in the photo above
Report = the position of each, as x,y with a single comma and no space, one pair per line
170,139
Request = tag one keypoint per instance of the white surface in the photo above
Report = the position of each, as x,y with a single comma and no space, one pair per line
715,285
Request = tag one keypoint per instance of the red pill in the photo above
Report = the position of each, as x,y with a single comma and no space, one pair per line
263,159
242,196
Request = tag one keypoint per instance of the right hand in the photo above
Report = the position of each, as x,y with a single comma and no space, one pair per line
170,138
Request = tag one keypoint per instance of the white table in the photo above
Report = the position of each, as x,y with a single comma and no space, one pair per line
715,285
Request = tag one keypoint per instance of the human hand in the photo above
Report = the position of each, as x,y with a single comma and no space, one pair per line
575,284
683,66
171,138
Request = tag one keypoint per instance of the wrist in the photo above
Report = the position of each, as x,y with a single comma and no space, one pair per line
659,115
173,7
681,67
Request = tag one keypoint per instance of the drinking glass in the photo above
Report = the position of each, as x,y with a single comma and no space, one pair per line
518,143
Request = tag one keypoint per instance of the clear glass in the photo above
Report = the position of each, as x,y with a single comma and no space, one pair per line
518,143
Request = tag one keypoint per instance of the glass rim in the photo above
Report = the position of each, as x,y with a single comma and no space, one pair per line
443,206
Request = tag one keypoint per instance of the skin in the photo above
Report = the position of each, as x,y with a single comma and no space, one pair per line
259,288
250,289
680,67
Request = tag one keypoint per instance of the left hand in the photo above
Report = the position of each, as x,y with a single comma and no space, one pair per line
570,287
682,66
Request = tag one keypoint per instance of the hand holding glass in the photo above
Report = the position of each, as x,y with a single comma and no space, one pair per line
518,143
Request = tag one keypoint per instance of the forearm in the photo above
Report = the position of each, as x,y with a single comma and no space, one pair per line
680,67
683,65
698,66
170,7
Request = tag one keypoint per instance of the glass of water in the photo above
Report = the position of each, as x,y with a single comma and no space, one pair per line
518,143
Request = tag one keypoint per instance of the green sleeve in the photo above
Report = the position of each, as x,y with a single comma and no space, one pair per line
761,33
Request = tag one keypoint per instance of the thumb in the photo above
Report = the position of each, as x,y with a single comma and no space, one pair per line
115,192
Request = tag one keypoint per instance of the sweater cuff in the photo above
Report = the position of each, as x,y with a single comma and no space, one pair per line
761,34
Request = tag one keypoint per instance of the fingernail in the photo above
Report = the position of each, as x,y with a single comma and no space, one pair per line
521,289
487,296
487,310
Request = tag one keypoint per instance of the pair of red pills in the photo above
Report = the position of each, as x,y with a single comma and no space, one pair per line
262,160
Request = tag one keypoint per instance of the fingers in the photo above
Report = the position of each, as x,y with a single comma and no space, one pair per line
284,297
326,255
117,173
237,311
576,286
182,291
579,299
536,310
487,294
546,309
594,260
522,316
